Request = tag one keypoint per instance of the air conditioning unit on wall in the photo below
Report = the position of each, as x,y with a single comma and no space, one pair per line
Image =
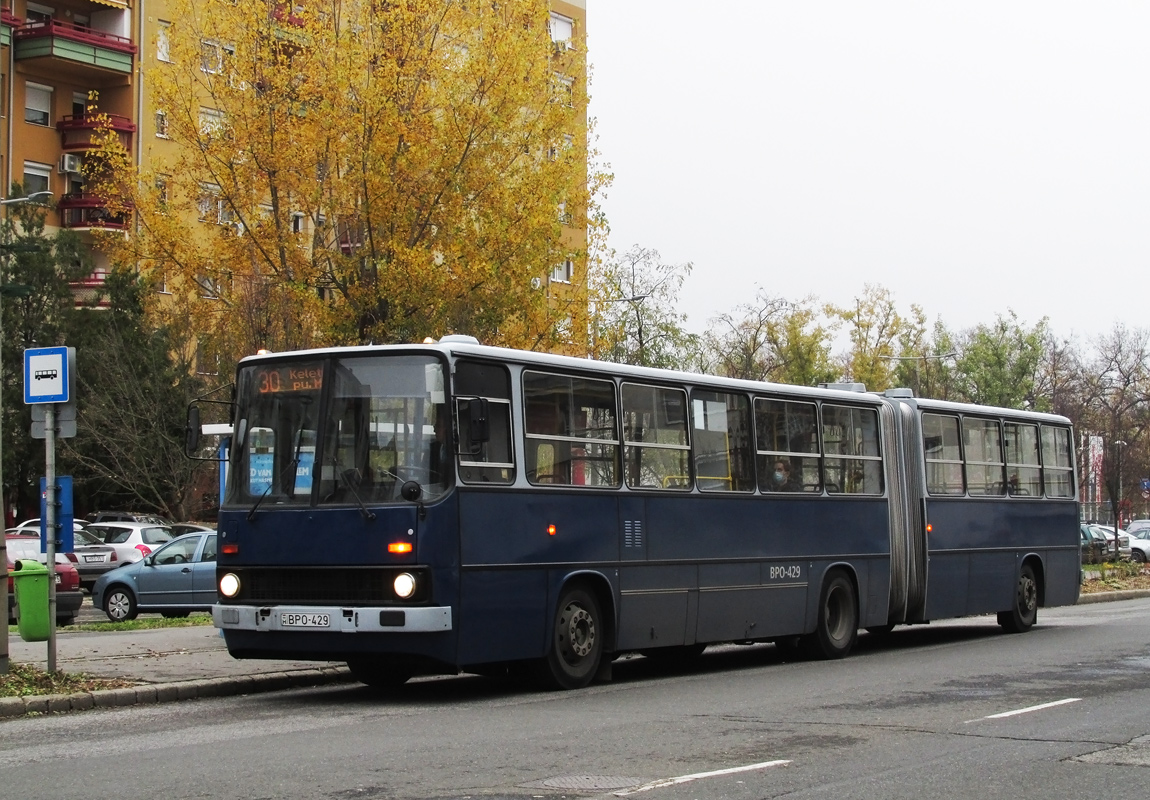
69,162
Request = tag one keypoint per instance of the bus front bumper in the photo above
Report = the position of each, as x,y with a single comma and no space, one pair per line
332,619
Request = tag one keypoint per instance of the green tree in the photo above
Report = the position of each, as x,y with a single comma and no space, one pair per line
999,364
44,265
771,339
926,359
133,389
632,317
874,326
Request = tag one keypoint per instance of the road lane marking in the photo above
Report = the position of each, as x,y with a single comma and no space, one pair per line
699,776
1026,710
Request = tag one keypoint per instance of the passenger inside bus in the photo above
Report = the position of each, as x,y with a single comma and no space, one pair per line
781,480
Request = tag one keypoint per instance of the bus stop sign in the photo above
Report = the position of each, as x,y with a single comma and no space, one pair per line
46,374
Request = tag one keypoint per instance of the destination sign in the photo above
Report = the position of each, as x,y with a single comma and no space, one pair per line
289,378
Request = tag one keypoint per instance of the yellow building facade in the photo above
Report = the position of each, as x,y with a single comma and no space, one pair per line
65,62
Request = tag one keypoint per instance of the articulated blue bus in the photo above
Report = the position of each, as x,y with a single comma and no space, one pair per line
450,507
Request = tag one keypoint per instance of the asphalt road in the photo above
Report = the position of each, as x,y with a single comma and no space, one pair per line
955,710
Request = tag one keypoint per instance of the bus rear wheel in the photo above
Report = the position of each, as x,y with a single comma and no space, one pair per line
378,674
1025,612
576,646
836,629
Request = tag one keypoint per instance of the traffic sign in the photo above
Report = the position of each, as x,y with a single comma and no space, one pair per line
46,374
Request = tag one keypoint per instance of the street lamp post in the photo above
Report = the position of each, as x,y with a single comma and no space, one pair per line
1118,445
8,290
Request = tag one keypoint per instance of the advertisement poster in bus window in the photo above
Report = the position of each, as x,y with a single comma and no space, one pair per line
260,472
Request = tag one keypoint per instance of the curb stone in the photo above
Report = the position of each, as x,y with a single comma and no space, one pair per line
171,692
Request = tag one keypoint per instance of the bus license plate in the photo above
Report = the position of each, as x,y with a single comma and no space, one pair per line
304,620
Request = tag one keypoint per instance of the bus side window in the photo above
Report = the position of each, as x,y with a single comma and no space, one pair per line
656,452
492,461
721,440
940,442
984,462
1057,462
787,440
575,418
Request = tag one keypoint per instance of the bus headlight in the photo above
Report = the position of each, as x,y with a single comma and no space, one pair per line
230,585
404,585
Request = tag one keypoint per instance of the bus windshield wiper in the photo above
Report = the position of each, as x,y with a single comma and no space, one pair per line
349,478
260,499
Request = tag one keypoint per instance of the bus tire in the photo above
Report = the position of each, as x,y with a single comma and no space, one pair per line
576,646
1025,612
836,628
378,674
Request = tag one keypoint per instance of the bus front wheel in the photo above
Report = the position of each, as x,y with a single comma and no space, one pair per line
1025,612
576,642
836,629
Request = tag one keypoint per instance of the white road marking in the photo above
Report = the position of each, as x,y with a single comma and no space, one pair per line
1027,710
698,776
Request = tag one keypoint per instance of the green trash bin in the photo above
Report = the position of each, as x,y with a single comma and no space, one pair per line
30,582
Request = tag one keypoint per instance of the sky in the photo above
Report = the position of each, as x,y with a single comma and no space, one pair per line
971,157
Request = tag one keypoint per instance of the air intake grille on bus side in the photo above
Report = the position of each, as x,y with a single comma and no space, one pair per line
633,533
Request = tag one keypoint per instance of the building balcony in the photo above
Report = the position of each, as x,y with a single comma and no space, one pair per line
77,131
83,211
74,44
8,21
89,292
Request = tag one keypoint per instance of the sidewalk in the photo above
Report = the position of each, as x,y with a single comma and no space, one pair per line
169,664
166,663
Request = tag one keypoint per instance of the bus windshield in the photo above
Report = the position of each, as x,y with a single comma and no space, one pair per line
385,422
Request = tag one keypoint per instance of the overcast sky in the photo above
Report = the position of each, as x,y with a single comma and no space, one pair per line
969,156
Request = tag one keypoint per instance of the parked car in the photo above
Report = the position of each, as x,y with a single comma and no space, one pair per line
1140,545
92,558
1137,526
127,516
1093,545
177,579
1123,541
68,594
180,528
132,540
33,525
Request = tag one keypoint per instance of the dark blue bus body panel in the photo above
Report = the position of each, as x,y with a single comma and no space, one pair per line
976,547
681,568
317,538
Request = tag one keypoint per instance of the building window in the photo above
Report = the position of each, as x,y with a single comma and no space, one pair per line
209,203
37,177
562,28
562,272
34,12
211,122
38,104
162,189
162,124
214,56
164,42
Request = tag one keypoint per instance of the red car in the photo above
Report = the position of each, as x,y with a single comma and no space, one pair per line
68,594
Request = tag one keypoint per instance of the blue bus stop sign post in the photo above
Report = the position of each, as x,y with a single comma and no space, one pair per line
65,538
48,376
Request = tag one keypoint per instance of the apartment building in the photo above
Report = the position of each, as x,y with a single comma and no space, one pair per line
64,62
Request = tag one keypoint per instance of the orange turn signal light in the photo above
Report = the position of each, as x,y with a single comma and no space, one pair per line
231,548
399,547
550,530
929,527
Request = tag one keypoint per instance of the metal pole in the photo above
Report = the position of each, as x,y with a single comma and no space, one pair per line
50,525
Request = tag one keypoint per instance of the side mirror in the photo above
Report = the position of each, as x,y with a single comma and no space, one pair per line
411,491
149,561
192,431
478,430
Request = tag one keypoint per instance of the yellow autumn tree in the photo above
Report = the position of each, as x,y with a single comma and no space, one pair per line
349,172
